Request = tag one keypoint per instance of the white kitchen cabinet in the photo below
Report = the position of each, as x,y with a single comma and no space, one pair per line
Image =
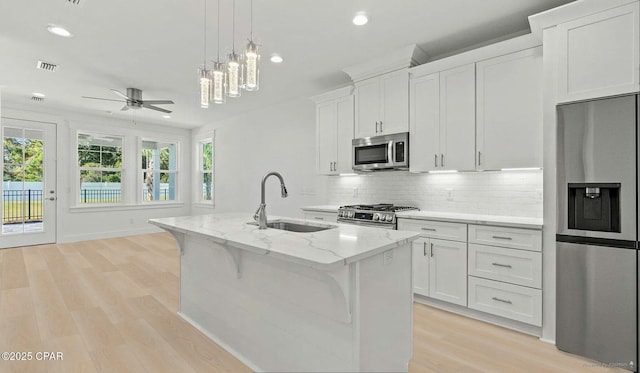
330,217
420,267
382,104
443,121
509,111
458,118
598,55
448,271
334,132
440,266
424,122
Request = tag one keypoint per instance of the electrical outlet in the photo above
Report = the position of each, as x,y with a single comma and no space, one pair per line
449,194
387,257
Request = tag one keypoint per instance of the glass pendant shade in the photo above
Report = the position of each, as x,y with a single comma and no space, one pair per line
205,87
219,83
252,69
234,75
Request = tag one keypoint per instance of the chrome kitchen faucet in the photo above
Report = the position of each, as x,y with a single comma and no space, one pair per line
261,215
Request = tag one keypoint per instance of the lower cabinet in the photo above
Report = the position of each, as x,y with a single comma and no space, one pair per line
496,270
515,302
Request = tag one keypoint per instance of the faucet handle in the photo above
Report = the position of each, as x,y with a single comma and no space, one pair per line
256,216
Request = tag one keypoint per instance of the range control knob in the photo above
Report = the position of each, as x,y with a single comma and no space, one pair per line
389,217
376,217
340,214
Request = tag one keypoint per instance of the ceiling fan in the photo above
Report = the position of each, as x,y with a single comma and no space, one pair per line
133,100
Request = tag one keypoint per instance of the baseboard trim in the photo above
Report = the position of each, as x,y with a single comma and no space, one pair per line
481,316
220,343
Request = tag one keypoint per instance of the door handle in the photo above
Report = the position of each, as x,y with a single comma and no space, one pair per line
424,248
318,218
479,158
381,127
502,265
442,160
376,126
502,238
52,198
435,158
502,300
428,229
431,250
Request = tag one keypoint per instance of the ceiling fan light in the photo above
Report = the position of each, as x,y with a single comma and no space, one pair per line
252,69
205,87
234,75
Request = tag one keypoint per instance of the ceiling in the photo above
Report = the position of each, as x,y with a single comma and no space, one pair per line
157,46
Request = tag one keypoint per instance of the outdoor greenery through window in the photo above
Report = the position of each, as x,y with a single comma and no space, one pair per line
206,169
159,167
100,162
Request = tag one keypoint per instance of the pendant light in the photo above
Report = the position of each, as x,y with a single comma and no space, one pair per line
219,73
235,67
204,73
252,59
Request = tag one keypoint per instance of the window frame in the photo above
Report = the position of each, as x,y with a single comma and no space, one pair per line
141,171
200,171
79,169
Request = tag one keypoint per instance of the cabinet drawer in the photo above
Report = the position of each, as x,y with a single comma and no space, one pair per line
435,229
511,301
518,267
517,238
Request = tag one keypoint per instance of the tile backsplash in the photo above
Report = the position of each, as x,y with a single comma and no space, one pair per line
506,193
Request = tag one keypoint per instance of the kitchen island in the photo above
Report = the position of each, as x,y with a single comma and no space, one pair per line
337,300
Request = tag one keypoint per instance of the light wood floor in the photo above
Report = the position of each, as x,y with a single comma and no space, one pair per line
110,306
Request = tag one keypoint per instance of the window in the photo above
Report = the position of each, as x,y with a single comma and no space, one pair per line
206,170
159,168
100,164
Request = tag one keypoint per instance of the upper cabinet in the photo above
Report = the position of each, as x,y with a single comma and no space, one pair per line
509,111
382,104
443,121
334,131
598,48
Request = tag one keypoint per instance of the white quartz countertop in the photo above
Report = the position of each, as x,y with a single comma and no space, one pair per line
322,208
328,249
503,221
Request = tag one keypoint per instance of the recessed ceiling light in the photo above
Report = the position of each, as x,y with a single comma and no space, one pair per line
276,58
59,30
360,19
38,94
166,116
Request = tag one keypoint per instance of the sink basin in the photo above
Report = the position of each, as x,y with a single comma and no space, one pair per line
291,226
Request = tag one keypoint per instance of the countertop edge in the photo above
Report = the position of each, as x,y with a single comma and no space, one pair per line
321,208
498,222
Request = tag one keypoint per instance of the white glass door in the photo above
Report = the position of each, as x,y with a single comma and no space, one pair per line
28,183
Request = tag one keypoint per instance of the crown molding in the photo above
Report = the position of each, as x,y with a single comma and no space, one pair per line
408,56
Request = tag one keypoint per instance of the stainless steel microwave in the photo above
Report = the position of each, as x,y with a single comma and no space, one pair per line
388,152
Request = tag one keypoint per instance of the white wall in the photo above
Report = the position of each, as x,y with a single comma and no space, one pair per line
280,138
506,193
76,223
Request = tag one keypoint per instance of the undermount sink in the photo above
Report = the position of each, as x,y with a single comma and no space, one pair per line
291,226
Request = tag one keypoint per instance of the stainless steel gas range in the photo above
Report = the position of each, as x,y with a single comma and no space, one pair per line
382,215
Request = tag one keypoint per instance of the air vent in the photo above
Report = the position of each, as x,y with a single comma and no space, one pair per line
46,66
37,99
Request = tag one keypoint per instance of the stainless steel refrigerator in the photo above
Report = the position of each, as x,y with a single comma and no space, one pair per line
597,230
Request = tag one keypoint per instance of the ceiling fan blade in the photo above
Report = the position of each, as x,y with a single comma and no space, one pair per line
120,94
124,108
157,102
155,108
104,99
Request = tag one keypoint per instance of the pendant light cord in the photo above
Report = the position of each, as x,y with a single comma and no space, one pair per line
233,36
251,20
218,46
204,61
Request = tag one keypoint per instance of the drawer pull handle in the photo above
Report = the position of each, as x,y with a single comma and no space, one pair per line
317,217
424,248
502,300
429,229
502,238
502,265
